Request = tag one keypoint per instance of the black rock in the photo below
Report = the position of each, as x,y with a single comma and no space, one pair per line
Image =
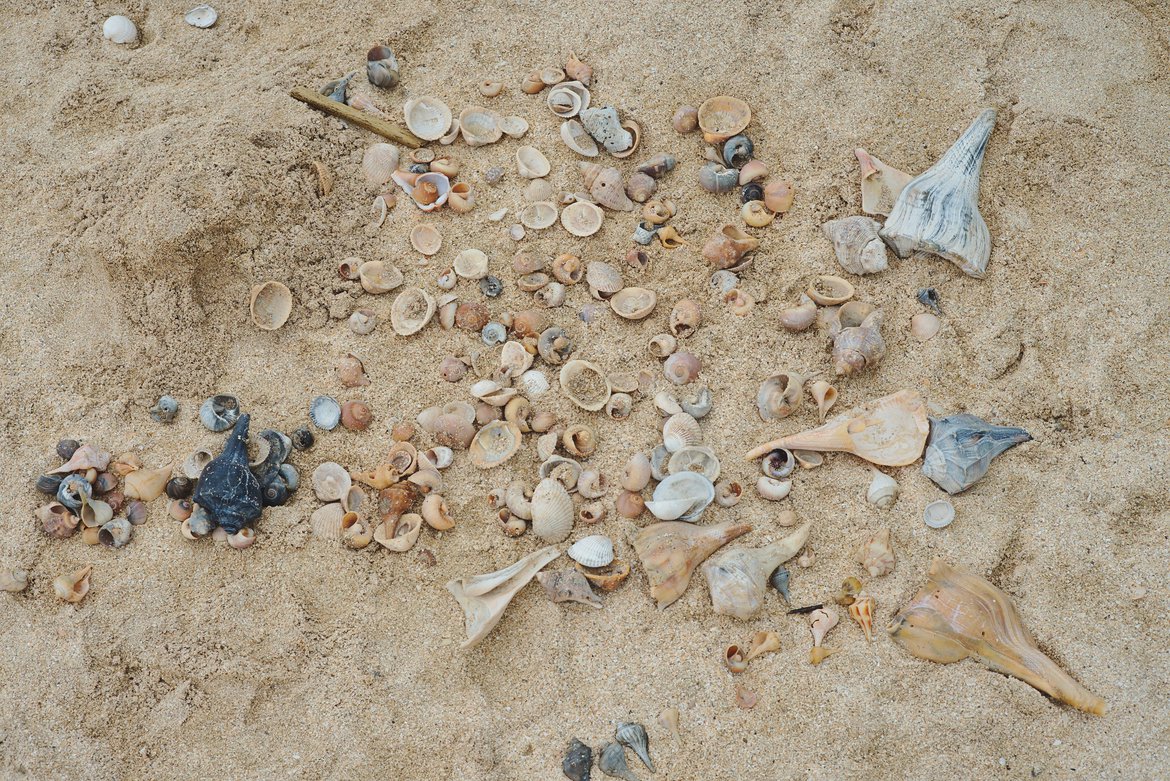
578,761
227,489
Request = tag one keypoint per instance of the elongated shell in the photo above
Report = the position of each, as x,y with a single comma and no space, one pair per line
552,511
411,311
593,551
634,737
961,448
670,551
938,211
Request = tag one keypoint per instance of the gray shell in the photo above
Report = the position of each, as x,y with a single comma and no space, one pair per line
325,412
578,761
613,762
634,735
165,409
779,581
219,413
961,447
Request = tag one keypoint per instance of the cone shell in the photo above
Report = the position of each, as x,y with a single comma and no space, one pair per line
552,511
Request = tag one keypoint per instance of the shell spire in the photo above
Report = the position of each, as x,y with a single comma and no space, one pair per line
227,489
938,211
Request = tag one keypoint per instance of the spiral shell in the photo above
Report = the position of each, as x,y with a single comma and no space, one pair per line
779,396
552,511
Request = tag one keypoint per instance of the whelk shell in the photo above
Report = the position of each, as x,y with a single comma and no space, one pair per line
411,311
670,552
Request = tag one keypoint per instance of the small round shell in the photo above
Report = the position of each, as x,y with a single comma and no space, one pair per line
681,431
779,396
634,303
773,490
695,458
582,218
379,277
325,412
426,239
722,117
539,215
685,318
636,474
681,497
411,311
471,264
552,511
593,551
427,117
331,482
585,384
494,444
938,514
882,491
270,304
682,367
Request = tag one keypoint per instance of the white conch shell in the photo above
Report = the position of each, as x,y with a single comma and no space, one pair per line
938,212
484,597
859,248
552,511
880,183
681,497
738,577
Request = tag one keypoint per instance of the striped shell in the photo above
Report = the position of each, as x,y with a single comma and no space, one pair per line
326,521
593,551
681,431
552,511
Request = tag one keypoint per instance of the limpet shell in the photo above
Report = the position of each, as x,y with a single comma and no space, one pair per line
379,277
531,163
539,215
494,444
634,303
411,310
426,239
585,384
471,264
270,304
582,218
575,137
722,117
427,117
552,511
595,550
938,514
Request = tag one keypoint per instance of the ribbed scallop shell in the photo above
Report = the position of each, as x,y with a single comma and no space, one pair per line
552,511
681,430
326,521
593,551
604,277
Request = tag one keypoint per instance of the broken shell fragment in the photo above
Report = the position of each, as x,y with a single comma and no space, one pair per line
779,396
271,304
881,184
577,139
603,124
378,277
73,587
585,385
856,242
828,290
531,163
426,239
738,577
411,311
495,443
427,117
568,585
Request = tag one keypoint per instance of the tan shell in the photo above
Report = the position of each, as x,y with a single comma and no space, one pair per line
606,187
924,326
328,521
695,458
331,482
379,162
491,392
582,218
270,304
552,511
401,534
568,99
426,239
427,117
531,163
514,359
722,117
379,277
494,444
539,215
585,384
828,290
634,303
471,264
479,126
577,139
604,278
779,396
411,311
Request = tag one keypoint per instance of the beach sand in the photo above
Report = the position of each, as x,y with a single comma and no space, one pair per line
148,188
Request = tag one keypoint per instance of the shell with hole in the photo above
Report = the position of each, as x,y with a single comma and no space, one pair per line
538,215
495,443
779,396
606,187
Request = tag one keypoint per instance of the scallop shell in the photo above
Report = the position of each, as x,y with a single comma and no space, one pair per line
722,117
585,384
479,126
427,117
270,304
531,163
681,430
494,444
325,412
568,99
681,497
577,139
552,511
331,482
582,218
379,162
695,458
471,264
411,310
426,239
327,521
634,303
593,551
539,215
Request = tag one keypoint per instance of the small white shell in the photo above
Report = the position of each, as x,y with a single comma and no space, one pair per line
411,310
773,490
331,482
681,497
883,490
938,514
426,239
471,264
201,16
120,29
552,511
582,218
479,126
427,117
531,163
681,430
539,215
513,126
491,392
575,137
593,551
533,383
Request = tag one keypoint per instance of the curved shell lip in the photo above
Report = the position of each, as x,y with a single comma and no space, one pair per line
270,305
479,126
426,238
723,116
427,117
202,16
406,322
634,303
568,99
495,443
576,138
582,218
531,162
513,126
684,496
539,215
576,366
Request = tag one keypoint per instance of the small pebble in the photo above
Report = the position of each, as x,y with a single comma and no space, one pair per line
493,175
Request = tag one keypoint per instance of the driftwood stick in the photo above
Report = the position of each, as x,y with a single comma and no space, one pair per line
353,116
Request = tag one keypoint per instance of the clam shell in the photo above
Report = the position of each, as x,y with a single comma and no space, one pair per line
331,482
681,497
412,309
695,458
723,116
582,218
479,126
552,511
585,384
575,137
681,430
379,162
539,215
201,16
593,551
604,278
379,277
427,117
513,126
531,163
492,392
270,304
426,239
325,412
471,264
494,444
634,303
829,290
326,521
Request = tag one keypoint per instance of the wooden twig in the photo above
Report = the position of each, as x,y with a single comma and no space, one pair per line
353,116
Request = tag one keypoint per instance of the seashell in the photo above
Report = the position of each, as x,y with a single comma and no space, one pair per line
568,585
682,367
605,127
722,117
779,581
605,186
356,416
513,126
582,218
778,464
593,512
552,75
382,67
593,551
379,277
270,304
564,470
778,196
554,345
531,163
938,514
331,482
859,347
73,587
147,484
363,321
576,138
551,295
751,171
73,491
861,611
633,303
568,99
881,184
800,317
808,459
728,493
202,16
958,614
325,412
411,311
484,597
428,117
585,385
772,489
115,533
670,551
825,395
876,554
426,239
429,191
495,443
119,29
578,761
94,512
399,534
682,496
737,578
882,491
662,345
695,458
534,384
434,511
49,484
859,248
629,505
56,520
924,326
643,234
820,622
619,406
577,70
164,410
552,511
848,315
634,737
604,279
962,447
635,130
737,151
681,430
579,440
728,245
658,212
489,88
66,448
195,463
479,126
779,396
889,431
636,474
539,215
218,413
716,179
828,290
699,405
13,580
473,316
530,283
612,761
492,392
641,187
685,120
350,372
379,162
326,521
529,322
938,211
755,214
514,359
532,83
685,318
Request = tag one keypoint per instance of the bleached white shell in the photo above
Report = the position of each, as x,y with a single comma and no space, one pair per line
859,248
938,514
568,99
582,218
606,128
411,310
491,392
513,126
575,137
772,489
331,482
552,511
695,458
202,16
479,126
883,490
471,264
679,431
539,215
681,497
533,383
427,117
120,29
593,551
326,521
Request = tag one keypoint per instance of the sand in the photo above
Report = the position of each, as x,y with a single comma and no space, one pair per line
147,189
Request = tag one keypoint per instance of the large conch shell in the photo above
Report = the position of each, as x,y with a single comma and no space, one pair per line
961,448
938,211
738,577
484,597
671,550
959,614
890,431
881,184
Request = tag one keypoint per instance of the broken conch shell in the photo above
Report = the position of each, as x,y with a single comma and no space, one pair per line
962,447
881,184
484,597
959,614
738,577
671,550
890,431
